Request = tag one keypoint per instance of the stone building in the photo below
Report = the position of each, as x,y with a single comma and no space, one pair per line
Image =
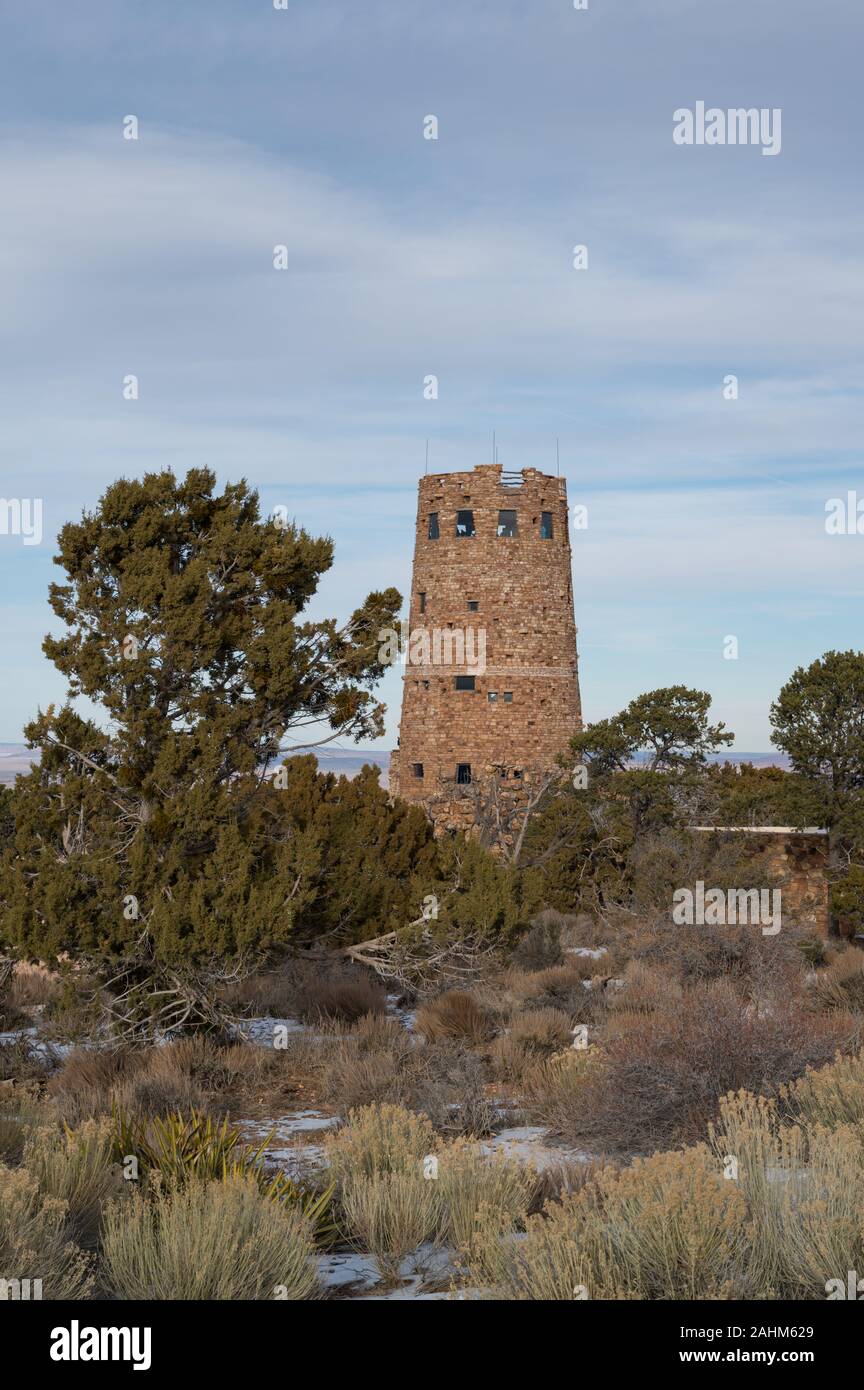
491,687
797,861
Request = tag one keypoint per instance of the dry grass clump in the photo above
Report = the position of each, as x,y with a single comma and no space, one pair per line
804,1185
841,985
76,1168
336,998
34,1239
20,1062
264,994
21,1111
207,1240
479,1194
832,1095
667,1227
33,986
647,990
390,1214
453,1015
536,1034
379,1139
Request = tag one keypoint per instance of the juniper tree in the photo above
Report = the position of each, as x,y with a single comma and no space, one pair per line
818,721
148,833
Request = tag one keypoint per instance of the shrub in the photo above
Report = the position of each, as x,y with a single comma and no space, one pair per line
667,1227
657,1078
391,1213
207,1240
179,1148
453,1015
805,1189
481,1193
34,1240
82,1086
21,1111
345,999
832,1095
379,1139
33,986
841,986
533,1035
75,1166
541,944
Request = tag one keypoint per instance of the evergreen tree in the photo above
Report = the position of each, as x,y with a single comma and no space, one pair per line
150,838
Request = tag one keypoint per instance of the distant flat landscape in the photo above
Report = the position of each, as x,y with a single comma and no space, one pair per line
347,762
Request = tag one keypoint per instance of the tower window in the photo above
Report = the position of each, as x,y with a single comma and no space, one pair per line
546,526
465,682
433,526
417,769
517,773
422,601
465,524
492,697
508,697
508,524
463,774
473,605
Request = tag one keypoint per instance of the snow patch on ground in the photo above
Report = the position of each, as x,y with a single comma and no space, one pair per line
531,1144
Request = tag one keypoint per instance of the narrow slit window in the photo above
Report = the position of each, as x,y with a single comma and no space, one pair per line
546,526
433,526
508,524
422,597
465,523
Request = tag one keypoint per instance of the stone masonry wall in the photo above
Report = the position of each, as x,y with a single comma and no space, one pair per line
519,589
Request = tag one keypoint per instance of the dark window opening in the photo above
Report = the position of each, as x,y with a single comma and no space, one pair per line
546,526
508,524
492,696
517,772
463,774
433,526
508,697
465,682
417,769
473,605
465,524
423,602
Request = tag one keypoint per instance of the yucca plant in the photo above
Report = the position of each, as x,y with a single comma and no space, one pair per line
180,1147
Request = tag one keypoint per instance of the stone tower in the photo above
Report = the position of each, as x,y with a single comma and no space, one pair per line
491,686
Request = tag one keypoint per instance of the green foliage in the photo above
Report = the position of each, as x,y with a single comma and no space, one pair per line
181,1148
183,622
818,720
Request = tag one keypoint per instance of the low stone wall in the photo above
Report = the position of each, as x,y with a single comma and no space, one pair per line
798,861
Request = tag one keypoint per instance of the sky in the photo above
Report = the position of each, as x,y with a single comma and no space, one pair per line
406,257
